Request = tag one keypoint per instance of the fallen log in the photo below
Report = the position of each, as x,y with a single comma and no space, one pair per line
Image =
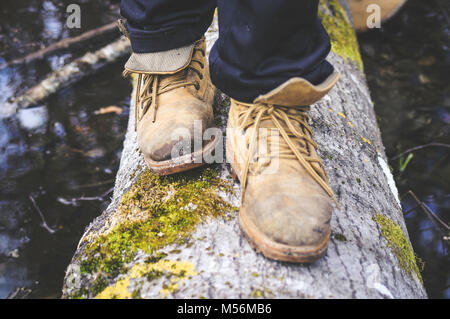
67,75
63,44
178,237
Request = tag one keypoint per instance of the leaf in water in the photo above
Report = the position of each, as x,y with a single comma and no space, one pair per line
427,61
95,153
424,79
109,109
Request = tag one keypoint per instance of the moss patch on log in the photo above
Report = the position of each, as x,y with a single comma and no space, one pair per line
343,38
155,212
399,244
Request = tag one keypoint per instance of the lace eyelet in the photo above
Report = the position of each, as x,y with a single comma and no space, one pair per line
197,86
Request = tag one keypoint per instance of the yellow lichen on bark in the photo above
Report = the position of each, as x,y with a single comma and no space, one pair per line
174,271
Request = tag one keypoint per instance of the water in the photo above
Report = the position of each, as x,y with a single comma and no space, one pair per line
62,150
407,64
54,152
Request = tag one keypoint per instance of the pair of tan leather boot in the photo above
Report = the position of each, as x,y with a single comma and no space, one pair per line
286,199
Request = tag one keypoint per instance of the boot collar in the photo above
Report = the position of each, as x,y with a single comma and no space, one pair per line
298,92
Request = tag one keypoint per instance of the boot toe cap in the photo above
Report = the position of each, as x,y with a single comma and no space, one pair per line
171,134
293,220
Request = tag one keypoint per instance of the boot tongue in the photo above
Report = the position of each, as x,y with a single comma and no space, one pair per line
271,148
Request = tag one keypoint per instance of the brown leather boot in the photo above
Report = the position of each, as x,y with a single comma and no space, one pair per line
173,95
286,199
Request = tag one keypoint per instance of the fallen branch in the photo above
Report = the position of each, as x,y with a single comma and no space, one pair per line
20,293
74,201
67,75
63,44
442,226
107,182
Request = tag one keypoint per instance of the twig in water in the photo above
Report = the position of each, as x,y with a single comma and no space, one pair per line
74,201
44,223
416,148
109,181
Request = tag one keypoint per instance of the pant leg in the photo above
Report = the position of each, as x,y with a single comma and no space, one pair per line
264,43
161,25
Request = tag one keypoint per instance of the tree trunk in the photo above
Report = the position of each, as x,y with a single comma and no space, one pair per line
178,237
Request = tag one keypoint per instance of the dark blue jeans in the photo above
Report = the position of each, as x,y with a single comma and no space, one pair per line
262,43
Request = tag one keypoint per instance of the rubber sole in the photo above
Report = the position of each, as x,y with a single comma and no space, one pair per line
182,163
266,246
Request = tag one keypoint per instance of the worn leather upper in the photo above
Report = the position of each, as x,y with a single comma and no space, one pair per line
177,109
280,197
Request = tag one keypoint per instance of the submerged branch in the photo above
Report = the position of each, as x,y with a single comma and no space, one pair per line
74,201
63,44
416,148
67,75
44,223
442,226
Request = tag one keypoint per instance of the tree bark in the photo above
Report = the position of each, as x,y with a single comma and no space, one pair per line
212,259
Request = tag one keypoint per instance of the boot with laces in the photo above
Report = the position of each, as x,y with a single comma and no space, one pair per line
287,202
174,98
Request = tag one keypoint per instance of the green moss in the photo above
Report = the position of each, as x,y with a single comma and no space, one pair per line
155,257
397,241
343,38
168,209
98,285
340,237
218,121
136,294
79,294
154,274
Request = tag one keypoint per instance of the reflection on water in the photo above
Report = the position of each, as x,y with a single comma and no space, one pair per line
53,154
407,64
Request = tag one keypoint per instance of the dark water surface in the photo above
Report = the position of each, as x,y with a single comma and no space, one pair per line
63,150
407,64
54,152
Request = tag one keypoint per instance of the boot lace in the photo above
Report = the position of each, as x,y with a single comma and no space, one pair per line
292,124
149,86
